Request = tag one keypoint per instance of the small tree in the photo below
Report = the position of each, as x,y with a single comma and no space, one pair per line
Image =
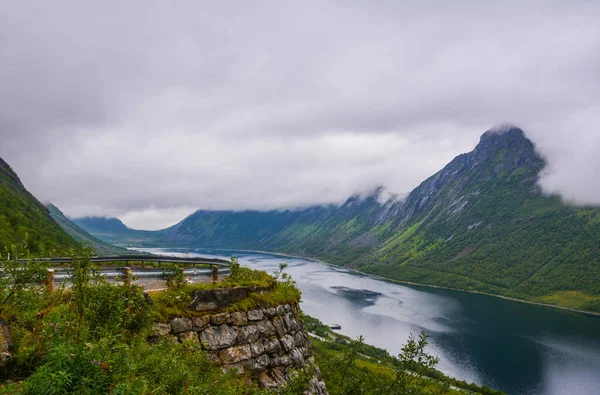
16,277
413,361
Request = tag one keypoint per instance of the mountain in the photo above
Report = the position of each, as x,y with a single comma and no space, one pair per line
112,230
83,237
23,219
480,224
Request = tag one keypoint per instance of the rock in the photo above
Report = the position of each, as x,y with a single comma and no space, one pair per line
279,326
287,308
160,329
256,365
287,321
5,356
287,343
188,336
266,381
255,315
266,328
199,323
281,360
298,359
212,299
247,334
272,345
218,337
219,319
306,352
278,375
271,312
234,354
280,310
6,343
257,348
239,318
172,339
180,324
300,339
263,361
316,387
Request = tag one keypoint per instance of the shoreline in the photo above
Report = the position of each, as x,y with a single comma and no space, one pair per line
586,312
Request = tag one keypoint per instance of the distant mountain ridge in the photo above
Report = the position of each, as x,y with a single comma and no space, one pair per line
112,230
83,237
481,224
26,221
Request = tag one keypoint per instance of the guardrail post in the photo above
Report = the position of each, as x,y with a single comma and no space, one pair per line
215,273
49,282
127,277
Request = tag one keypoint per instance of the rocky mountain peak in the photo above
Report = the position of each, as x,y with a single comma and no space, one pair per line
503,138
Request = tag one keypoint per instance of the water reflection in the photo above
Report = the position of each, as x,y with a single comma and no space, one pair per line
515,347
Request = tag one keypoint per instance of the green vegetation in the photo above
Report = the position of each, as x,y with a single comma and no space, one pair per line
83,237
480,224
25,221
265,291
92,338
353,367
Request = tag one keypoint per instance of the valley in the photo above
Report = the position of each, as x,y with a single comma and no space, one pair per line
480,224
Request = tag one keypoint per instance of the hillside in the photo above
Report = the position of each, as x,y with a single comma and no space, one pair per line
23,219
113,231
83,237
481,223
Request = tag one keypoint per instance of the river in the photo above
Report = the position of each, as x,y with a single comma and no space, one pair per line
515,347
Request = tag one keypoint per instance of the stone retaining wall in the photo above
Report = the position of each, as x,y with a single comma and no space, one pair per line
267,343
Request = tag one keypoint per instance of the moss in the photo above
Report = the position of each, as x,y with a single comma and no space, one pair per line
281,294
170,304
265,291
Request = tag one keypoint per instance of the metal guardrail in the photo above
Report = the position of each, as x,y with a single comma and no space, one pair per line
126,272
140,258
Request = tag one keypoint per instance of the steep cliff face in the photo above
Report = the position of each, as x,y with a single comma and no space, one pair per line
269,344
498,155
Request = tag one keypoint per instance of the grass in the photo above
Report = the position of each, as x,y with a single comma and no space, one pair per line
571,299
265,291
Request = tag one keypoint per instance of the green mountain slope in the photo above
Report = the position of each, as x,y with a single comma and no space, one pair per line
481,223
113,231
83,237
23,219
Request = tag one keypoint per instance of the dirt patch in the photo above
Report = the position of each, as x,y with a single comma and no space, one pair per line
364,240
464,252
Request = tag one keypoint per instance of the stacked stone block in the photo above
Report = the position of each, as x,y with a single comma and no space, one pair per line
267,343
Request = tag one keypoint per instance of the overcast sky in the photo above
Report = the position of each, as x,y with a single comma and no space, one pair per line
150,110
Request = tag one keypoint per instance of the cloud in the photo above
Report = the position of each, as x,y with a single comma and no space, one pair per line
144,109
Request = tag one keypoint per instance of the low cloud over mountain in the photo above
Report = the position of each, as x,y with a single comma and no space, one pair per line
148,110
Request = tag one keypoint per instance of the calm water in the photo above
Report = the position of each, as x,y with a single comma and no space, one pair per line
515,347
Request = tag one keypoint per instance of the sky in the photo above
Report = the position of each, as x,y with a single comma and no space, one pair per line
150,110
